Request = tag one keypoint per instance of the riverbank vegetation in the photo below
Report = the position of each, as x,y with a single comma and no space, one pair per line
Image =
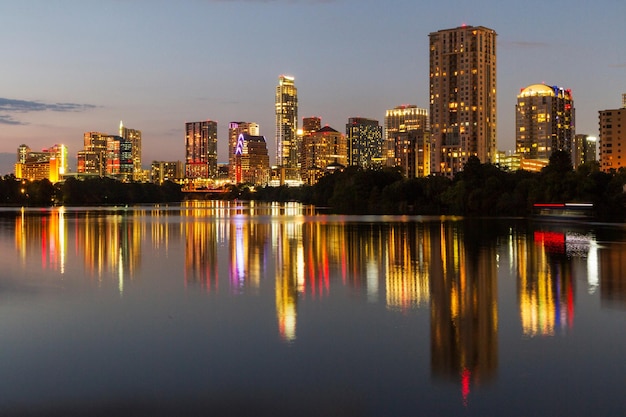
87,192
479,190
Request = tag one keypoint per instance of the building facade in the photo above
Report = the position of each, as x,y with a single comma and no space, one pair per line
252,161
48,164
119,158
365,143
462,97
322,150
544,121
583,150
612,139
92,159
407,135
234,130
161,171
201,150
134,137
287,145
311,124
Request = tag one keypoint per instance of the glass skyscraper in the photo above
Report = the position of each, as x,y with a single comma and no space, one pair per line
134,137
201,150
287,123
365,142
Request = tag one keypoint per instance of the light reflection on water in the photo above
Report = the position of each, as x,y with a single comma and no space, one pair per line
462,287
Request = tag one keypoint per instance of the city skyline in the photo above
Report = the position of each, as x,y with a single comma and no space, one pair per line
63,78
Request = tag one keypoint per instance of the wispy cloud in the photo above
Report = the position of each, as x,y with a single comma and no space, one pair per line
524,44
9,106
5,119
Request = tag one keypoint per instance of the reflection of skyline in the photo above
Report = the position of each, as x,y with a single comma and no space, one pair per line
110,243
241,248
408,261
546,279
464,309
613,275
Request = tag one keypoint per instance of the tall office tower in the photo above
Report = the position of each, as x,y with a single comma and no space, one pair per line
119,158
252,161
92,159
201,150
286,123
311,124
583,150
612,139
323,150
407,135
134,136
544,121
234,130
58,152
462,97
365,142
22,153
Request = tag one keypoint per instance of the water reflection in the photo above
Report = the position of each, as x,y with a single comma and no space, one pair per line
447,268
464,307
401,263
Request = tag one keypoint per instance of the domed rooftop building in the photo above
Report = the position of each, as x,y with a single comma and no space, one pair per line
537,90
544,121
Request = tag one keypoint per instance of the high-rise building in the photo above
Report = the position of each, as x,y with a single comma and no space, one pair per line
252,161
201,150
311,124
612,139
92,159
583,150
407,135
22,153
462,97
234,130
323,150
48,164
119,158
365,142
544,121
134,137
287,124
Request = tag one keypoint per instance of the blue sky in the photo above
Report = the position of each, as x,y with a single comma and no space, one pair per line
74,66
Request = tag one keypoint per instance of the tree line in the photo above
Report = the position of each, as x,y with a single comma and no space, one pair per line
91,191
479,190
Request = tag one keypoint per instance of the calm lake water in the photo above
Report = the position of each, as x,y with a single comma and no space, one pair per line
216,308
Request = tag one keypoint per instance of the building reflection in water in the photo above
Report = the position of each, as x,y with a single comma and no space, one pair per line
545,270
612,256
407,262
108,241
463,307
201,259
449,267
288,251
45,232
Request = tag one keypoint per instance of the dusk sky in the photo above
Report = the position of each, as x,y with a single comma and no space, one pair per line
74,66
